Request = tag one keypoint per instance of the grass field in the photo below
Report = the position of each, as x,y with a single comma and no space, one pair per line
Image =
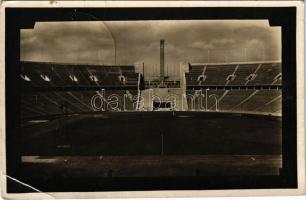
102,151
155,133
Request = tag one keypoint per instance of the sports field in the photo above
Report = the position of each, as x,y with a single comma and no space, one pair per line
155,133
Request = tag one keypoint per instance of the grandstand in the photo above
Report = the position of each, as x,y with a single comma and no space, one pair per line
235,87
223,74
61,74
58,88
104,121
62,88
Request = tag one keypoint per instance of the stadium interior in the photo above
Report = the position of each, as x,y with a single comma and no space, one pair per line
236,87
217,119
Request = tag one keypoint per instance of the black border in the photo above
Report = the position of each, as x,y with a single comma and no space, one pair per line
19,18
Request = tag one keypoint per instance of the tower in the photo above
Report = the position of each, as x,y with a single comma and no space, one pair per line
162,60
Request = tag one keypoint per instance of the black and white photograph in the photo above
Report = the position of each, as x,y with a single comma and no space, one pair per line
115,103
106,99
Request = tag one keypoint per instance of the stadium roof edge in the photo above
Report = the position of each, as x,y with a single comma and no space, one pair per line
238,63
75,64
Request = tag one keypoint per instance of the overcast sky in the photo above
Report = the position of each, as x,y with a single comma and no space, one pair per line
138,41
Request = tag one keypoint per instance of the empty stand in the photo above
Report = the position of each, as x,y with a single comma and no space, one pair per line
71,88
235,87
56,88
58,75
234,74
56,103
265,101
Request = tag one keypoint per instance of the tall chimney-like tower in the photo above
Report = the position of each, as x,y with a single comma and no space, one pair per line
162,60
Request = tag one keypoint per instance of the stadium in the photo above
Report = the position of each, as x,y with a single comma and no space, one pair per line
111,111
112,121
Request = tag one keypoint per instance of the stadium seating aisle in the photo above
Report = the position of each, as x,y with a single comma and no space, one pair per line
61,74
220,74
70,88
243,87
59,88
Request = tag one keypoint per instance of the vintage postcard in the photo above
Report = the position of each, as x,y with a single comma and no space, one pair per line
152,99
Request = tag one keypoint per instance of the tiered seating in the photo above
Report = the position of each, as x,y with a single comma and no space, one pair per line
54,103
78,75
243,71
268,101
195,102
215,74
60,101
126,100
262,101
194,72
267,73
239,74
233,98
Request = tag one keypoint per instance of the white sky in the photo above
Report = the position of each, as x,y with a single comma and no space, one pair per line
138,41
